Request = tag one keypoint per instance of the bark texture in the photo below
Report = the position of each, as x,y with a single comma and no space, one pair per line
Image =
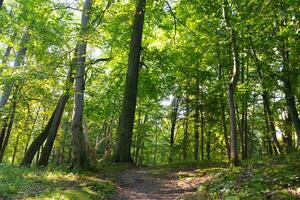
232,85
80,157
126,122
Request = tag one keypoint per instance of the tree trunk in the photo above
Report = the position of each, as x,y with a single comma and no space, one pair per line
50,129
15,149
290,99
126,122
173,126
232,85
198,106
80,157
266,101
287,76
223,116
9,127
186,129
208,145
3,131
51,135
31,131
17,62
63,142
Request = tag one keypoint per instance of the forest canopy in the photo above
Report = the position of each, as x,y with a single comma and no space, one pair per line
148,82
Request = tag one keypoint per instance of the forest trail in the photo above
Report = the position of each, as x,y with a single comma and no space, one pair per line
147,183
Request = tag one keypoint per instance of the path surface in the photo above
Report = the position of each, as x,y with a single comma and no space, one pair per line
143,184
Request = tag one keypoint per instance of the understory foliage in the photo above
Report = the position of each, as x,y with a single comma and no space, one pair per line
277,177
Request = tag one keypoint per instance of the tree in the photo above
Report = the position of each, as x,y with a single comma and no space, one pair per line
232,85
80,157
126,122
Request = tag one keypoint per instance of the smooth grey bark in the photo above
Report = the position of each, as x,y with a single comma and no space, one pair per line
17,62
80,158
126,122
232,85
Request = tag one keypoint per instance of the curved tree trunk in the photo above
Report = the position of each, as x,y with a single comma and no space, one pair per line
46,151
232,85
126,122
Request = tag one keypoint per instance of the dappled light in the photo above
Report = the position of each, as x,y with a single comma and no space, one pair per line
149,99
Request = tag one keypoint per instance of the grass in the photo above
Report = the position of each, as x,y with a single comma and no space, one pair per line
35,183
277,177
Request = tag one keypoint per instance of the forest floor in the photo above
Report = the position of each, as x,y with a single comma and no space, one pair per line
277,177
159,183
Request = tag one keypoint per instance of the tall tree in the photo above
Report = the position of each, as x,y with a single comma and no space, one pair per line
232,85
174,114
126,122
287,74
17,62
80,157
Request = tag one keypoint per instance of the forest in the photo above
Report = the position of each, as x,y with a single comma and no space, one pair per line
149,99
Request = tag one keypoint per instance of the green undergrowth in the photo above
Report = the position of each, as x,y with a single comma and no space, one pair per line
277,177
37,183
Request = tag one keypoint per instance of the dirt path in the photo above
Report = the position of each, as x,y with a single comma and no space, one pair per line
143,184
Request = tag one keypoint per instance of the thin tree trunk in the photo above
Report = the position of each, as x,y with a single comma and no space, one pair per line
155,146
174,114
15,149
186,129
3,131
31,131
232,85
202,122
18,61
196,119
126,123
208,145
63,142
9,127
266,101
223,116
